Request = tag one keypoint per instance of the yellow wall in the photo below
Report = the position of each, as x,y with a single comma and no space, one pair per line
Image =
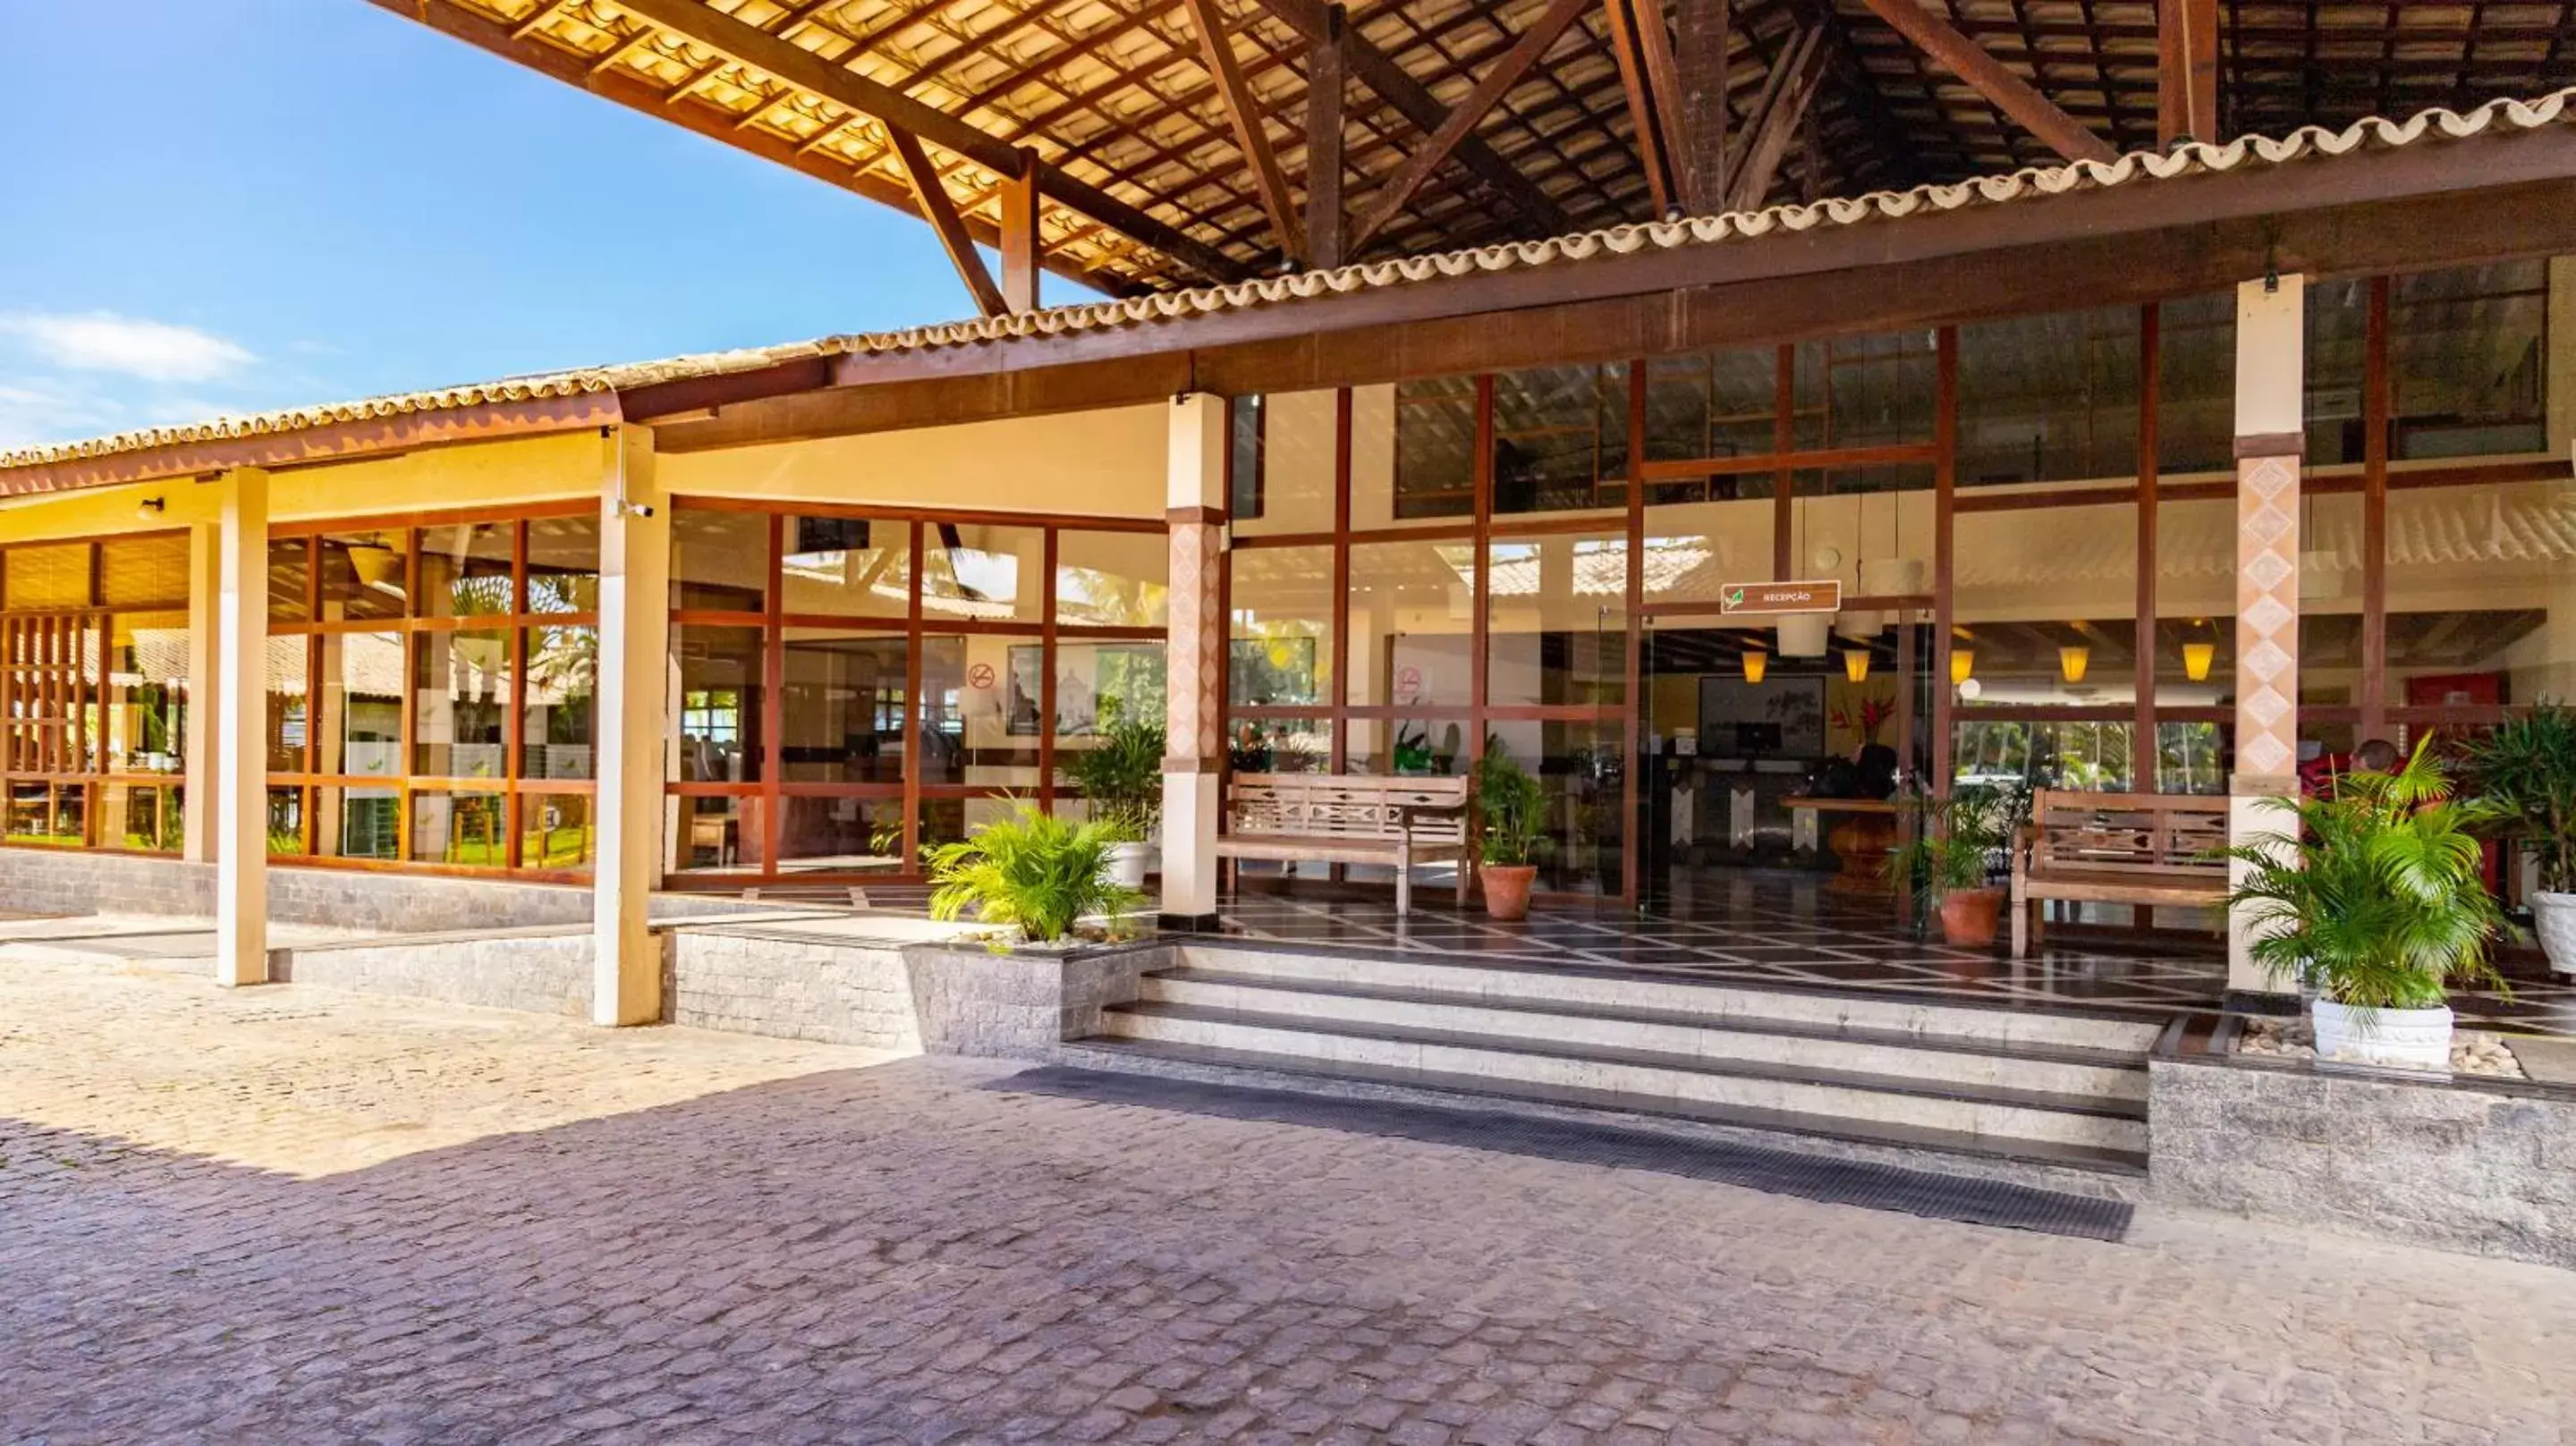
565,464
1103,464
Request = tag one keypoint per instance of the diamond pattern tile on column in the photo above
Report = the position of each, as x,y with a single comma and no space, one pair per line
2268,571
2267,616
2268,525
2265,755
2266,663
2265,706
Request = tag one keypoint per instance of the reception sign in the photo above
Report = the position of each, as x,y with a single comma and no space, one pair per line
1771,599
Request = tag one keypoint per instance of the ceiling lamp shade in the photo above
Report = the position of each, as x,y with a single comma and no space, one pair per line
2072,660
1963,664
1856,664
2196,659
1756,663
1804,635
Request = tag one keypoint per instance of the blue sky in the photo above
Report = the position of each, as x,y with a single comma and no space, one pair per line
214,206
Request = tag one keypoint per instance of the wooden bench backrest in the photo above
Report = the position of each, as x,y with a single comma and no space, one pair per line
2160,833
1357,806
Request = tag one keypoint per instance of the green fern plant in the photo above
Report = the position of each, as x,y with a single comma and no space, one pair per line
2526,767
1122,775
2381,903
1509,806
1032,872
1955,838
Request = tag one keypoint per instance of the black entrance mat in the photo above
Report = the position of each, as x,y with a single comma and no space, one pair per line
1864,1183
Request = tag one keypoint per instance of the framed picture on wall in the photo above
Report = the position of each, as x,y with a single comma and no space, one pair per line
1781,717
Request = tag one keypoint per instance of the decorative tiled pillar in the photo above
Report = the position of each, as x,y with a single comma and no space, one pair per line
632,723
2271,422
241,732
1196,710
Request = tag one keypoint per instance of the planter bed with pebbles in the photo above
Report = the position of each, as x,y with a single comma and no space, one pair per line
2472,1051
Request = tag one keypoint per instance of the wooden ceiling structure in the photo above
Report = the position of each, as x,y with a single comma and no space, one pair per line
1150,145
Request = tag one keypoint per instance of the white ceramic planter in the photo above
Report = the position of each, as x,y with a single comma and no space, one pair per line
2401,1038
2553,918
1127,864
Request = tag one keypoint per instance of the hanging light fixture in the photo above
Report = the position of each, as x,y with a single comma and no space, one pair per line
2072,660
1856,664
2196,658
1963,664
1756,662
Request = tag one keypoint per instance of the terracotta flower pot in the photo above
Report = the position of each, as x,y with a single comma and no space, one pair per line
1507,890
1968,917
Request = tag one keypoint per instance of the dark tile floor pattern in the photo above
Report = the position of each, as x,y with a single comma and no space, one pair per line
1780,931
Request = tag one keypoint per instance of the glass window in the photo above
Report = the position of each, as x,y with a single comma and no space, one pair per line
719,560
358,823
2467,361
1713,404
720,696
2195,637
1435,448
1865,391
560,713
285,821
1581,771
2338,346
2049,398
2045,603
290,566
143,817
1113,579
1245,428
365,575
54,815
1560,439
1412,617
460,830
1093,679
1282,640
465,570
843,713
460,704
841,835
851,567
1694,550
563,564
555,831
715,835
983,573
2482,594
2196,385
980,696
1300,464
144,571
145,719
1559,630
2093,755
289,698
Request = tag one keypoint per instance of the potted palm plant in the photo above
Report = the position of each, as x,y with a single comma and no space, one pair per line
2526,768
1032,872
1508,805
2377,905
1122,776
1947,866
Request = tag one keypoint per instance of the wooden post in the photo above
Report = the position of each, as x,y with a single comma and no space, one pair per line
1326,68
1023,253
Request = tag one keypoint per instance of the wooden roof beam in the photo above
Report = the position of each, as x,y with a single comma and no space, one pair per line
1505,73
1786,95
1657,117
1327,66
1379,72
794,64
1962,57
1707,44
932,193
1271,183
2187,71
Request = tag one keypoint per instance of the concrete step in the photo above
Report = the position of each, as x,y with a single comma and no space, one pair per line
2117,1173
1964,1060
1884,1013
2112,1125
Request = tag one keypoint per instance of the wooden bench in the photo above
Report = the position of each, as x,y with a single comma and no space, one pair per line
2117,848
1349,819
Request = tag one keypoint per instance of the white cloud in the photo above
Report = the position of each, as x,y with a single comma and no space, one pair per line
155,351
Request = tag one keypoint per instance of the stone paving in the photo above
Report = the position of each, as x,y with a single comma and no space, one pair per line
285,1215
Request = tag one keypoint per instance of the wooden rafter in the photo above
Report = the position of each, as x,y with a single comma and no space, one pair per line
1217,45
1327,61
1378,71
1786,95
1707,41
1657,117
1022,246
794,64
931,191
1505,73
2012,95
2187,70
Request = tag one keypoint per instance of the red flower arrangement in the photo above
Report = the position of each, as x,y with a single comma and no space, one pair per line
1867,719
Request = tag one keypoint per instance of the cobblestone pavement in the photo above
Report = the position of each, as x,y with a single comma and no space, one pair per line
285,1216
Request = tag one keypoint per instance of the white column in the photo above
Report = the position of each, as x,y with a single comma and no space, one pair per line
1196,711
205,688
634,651
241,746
2271,422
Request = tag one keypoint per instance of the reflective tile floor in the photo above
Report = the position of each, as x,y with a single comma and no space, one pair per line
1785,930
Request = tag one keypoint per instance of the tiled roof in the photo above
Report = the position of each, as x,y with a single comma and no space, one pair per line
2496,117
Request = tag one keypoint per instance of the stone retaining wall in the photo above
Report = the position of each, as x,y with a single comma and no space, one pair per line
900,997
541,973
2486,1168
